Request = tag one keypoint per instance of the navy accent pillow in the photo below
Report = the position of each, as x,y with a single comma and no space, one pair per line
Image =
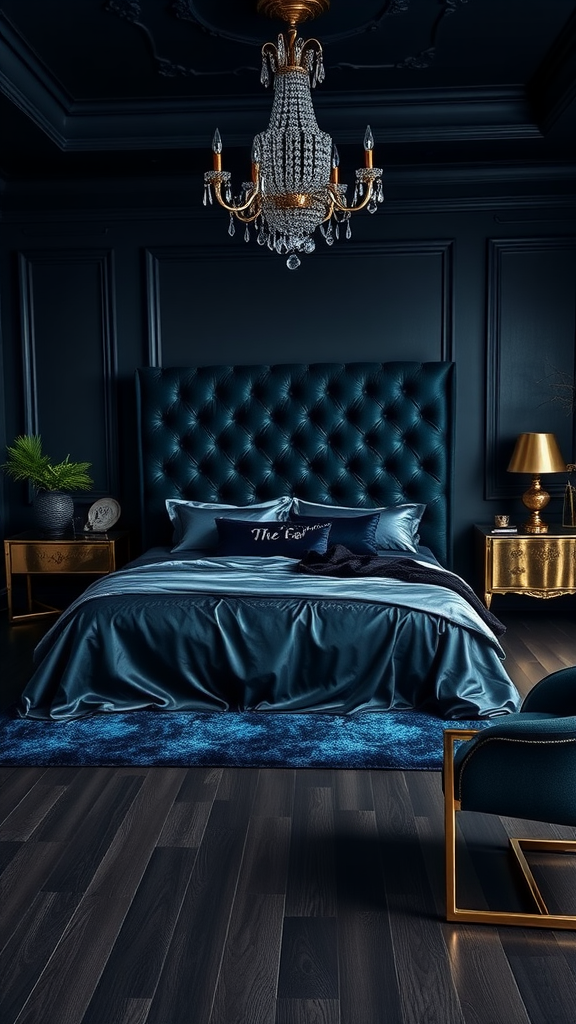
357,533
271,538
397,528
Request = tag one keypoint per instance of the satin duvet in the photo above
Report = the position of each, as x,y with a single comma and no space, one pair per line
252,634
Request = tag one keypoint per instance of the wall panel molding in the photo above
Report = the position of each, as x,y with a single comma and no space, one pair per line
223,259
531,335
69,352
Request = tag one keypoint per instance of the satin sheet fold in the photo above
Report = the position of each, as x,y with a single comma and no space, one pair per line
252,634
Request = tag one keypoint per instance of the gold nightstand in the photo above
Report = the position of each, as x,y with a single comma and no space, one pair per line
29,555
539,565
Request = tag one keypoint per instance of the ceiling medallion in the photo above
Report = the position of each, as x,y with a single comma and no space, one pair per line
295,186
212,24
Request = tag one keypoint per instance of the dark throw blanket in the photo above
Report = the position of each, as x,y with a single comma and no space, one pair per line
339,561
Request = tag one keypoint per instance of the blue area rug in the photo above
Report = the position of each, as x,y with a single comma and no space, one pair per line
408,740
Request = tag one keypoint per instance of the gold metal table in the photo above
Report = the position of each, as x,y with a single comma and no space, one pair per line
538,565
29,555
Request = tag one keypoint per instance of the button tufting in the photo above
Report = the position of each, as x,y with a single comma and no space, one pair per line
357,434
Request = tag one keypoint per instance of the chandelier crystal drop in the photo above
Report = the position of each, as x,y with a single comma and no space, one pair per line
295,186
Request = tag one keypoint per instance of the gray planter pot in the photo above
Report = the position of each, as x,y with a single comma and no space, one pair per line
54,512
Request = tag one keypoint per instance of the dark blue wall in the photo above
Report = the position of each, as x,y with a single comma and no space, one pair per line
99,278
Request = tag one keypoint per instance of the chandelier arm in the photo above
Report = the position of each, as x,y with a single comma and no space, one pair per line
248,220
330,211
352,209
229,207
314,44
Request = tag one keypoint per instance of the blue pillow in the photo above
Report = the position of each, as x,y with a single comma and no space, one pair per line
357,533
397,526
194,522
271,538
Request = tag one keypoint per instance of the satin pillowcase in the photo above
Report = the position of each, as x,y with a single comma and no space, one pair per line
291,540
194,522
397,528
356,533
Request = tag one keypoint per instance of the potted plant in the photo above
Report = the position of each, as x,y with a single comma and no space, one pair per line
53,506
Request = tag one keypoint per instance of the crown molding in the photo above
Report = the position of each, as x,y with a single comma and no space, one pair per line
396,116
30,87
414,115
409,116
553,87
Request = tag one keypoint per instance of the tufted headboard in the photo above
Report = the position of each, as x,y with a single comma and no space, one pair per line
357,434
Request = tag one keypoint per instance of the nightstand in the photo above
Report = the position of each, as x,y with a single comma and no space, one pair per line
29,555
538,565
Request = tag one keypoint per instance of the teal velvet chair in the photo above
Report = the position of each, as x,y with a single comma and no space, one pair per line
522,766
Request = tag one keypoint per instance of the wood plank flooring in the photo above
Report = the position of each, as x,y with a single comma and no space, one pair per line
245,896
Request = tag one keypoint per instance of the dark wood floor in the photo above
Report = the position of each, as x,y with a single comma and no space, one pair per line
223,896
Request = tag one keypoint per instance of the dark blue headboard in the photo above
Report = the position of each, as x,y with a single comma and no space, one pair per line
358,434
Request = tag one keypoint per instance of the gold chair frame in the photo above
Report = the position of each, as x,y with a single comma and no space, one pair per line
541,917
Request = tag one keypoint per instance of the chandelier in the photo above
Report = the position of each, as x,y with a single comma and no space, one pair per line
295,186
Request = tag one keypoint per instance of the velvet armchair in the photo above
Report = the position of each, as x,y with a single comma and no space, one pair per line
523,766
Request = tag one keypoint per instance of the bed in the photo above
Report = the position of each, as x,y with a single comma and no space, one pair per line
252,479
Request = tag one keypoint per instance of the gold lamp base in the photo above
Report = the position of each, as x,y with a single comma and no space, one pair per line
536,454
535,499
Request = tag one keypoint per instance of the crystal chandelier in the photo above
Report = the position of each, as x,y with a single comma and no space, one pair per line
295,186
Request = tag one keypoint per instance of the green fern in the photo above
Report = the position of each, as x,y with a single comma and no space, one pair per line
26,461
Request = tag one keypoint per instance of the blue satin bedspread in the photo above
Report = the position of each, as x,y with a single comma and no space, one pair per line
252,634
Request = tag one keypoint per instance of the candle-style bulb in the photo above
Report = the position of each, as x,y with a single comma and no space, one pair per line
335,156
368,139
217,142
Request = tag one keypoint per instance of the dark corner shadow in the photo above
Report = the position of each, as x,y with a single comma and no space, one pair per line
375,873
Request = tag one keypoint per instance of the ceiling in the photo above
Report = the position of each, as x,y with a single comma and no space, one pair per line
128,87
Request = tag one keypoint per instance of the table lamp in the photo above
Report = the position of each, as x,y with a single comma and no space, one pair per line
536,454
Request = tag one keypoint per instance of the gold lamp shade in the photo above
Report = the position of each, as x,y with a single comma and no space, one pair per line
536,454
